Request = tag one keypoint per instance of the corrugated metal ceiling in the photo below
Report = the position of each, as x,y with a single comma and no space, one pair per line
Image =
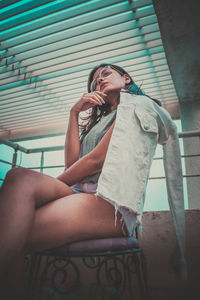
48,48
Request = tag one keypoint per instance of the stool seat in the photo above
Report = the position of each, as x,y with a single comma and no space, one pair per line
92,247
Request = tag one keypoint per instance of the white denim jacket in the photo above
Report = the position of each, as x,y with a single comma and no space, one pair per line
140,125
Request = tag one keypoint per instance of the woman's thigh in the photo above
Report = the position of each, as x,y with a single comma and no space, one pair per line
44,188
73,218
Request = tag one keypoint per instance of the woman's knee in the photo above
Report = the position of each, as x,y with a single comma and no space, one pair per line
21,178
18,186
17,175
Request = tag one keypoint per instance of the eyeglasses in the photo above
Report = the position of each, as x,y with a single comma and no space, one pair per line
105,72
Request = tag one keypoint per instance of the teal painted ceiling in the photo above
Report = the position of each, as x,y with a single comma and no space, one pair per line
47,49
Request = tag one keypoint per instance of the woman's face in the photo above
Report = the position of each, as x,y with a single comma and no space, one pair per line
107,80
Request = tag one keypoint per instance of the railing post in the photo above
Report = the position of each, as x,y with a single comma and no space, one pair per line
14,160
42,162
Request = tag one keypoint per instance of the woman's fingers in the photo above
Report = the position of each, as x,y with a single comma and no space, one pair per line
95,98
99,96
89,100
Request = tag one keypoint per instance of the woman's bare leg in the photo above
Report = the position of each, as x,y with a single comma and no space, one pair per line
15,283
73,218
26,219
22,192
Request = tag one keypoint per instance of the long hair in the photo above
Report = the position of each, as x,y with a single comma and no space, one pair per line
102,110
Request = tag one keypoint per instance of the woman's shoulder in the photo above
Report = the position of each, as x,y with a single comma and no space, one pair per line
144,104
142,101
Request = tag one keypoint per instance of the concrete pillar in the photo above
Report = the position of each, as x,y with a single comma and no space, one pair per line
179,24
190,117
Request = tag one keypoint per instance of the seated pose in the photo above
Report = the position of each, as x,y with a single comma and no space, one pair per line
39,212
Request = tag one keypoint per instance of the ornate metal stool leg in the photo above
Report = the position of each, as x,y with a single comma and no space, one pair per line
33,274
63,275
141,272
129,273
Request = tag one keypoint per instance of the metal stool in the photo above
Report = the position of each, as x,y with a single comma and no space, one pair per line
118,263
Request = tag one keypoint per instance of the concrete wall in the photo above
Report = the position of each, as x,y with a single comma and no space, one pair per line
179,25
158,241
190,114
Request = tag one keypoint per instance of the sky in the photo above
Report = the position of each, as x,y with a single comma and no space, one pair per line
156,193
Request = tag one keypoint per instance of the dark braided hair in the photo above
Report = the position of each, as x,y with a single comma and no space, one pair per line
102,110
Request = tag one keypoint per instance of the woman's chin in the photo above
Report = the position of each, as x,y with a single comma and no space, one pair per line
109,90
104,89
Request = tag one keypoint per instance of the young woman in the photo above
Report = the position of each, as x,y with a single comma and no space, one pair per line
38,212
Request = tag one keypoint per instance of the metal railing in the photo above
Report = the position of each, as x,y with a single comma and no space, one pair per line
42,150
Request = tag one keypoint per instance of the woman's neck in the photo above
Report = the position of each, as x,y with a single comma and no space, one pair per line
113,99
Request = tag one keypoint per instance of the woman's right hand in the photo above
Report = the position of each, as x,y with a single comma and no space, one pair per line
89,100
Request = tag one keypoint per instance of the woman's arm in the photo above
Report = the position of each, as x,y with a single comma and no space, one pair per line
89,164
72,141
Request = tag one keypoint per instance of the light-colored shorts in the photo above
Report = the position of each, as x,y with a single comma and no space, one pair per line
86,187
